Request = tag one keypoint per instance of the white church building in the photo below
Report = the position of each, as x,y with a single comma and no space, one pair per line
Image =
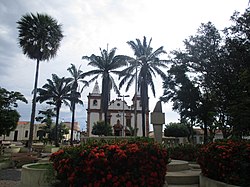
121,116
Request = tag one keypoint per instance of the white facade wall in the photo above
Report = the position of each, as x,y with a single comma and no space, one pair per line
117,109
21,133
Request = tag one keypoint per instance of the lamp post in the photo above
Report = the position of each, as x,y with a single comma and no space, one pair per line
123,111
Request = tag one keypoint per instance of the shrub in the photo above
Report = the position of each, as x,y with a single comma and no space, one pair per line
176,130
102,129
125,163
187,152
226,161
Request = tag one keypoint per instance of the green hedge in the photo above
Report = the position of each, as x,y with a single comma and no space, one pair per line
187,152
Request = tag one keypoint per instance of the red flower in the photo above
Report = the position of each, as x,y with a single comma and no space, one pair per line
109,176
129,184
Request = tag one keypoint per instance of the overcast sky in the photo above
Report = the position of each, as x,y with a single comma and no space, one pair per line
91,24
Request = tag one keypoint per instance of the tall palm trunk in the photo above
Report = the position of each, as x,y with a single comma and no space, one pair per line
144,103
57,122
72,122
33,110
105,96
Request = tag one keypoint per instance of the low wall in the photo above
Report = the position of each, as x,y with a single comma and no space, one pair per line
207,182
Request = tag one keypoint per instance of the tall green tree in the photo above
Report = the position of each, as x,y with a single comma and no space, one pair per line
46,117
148,64
179,89
106,64
39,37
237,45
76,78
55,92
9,116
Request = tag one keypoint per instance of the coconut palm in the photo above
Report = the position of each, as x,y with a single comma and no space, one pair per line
104,65
76,78
148,65
39,37
56,92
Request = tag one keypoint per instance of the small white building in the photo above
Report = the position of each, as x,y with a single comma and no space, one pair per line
120,114
76,131
21,133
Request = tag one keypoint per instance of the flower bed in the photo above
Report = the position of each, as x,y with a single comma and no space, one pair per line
226,161
124,163
187,152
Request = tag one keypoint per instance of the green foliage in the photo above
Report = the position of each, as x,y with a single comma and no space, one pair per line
226,161
45,116
102,129
146,65
76,78
8,115
122,163
61,131
55,92
105,65
39,36
188,152
176,130
208,81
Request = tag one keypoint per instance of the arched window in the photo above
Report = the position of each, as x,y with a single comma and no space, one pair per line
95,102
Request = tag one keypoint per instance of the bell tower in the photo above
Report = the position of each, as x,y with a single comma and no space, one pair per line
94,107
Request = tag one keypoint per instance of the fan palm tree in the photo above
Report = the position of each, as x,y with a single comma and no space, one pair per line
106,64
148,64
76,78
55,92
39,37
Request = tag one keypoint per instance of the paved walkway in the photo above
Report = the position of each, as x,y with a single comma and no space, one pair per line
10,177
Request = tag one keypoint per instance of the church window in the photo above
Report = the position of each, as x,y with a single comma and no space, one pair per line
95,102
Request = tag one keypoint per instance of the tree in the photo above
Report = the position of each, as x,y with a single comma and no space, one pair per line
237,46
55,92
106,64
45,116
76,78
9,116
176,130
39,37
185,96
147,64
102,129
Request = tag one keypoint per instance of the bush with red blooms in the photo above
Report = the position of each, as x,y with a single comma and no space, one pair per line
226,161
130,163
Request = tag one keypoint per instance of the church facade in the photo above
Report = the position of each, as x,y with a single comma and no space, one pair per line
121,116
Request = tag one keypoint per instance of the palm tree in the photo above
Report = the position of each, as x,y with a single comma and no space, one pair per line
76,78
55,92
106,64
39,37
148,64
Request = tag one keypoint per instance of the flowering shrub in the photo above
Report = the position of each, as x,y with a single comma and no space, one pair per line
187,152
124,163
226,161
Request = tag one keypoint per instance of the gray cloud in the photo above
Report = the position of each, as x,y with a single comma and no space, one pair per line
88,25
